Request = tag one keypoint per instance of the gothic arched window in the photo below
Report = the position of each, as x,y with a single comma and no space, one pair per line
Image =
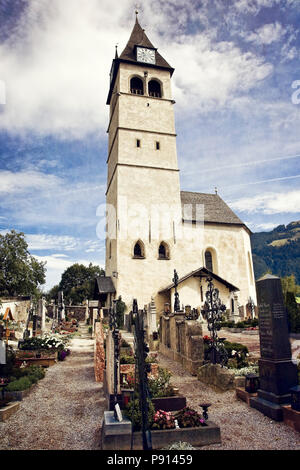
208,260
154,89
139,251
163,251
136,86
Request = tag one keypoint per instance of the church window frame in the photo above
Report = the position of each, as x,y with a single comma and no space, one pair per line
139,250
163,251
155,91
214,259
137,85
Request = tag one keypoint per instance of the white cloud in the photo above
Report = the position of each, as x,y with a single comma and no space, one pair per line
266,34
213,73
269,203
20,182
56,266
51,242
56,65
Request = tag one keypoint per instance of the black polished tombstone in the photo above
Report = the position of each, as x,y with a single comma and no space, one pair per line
277,372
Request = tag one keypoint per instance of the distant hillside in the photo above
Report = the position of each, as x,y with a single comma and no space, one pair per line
277,251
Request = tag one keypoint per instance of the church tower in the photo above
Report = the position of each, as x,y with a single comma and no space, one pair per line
152,226
143,190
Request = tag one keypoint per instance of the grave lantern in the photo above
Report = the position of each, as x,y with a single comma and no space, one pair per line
295,398
252,383
127,396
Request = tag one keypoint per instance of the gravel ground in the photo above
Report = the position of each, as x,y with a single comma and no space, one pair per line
65,409
242,427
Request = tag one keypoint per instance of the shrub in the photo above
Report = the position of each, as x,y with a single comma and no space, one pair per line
240,324
160,386
163,420
20,384
187,418
180,445
124,343
237,351
133,412
126,359
90,330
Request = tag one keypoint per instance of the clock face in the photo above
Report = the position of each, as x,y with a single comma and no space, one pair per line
145,55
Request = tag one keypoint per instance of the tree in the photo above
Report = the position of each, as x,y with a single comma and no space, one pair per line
52,294
77,282
289,285
120,307
293,312
20,272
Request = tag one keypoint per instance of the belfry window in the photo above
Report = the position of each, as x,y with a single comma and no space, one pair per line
154,89
136,86
157,146
163,251
139,251
138,143
208,261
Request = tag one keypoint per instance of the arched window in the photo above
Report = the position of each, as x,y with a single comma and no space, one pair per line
163,251
208,261
138,251
154,89
136,86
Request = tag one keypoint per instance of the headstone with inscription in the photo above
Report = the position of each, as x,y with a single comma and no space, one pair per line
277,372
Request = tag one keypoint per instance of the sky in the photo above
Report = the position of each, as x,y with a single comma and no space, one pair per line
237,90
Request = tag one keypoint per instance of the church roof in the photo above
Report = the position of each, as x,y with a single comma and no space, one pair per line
202,272
139,38
215,209
104,285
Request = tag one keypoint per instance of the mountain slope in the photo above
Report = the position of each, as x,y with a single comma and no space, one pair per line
277,251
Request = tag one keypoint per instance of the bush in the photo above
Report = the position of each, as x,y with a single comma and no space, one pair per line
237,351
179,446
6,369
126,359
240,324
18,385
163,420
90,330
34,373
160,386
187,418
133,413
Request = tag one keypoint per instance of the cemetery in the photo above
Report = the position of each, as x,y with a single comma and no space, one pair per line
175,345
160,382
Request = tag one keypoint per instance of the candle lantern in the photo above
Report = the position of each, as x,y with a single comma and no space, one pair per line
252,383
295,398
205,407
127,396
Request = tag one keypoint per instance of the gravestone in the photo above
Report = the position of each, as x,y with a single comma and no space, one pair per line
277,372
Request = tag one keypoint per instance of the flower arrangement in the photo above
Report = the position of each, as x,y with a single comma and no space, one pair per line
160,386
187,417
163,420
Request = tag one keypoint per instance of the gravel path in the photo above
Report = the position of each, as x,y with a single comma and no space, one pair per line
242,427
65,409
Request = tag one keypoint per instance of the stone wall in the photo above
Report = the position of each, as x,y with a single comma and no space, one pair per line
99,357
19,307
223,379
182,341
71,311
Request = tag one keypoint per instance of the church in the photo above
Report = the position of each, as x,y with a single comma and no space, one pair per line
152,226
